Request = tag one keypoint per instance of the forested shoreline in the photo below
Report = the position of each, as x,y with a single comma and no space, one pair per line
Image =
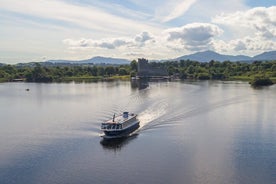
57,73
184,69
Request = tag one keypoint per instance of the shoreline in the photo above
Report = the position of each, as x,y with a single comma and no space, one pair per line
128,78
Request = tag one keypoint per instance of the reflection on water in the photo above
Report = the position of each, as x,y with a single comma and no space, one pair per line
190,132
118,143
140,84
144,83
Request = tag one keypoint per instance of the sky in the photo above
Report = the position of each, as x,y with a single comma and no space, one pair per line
41,30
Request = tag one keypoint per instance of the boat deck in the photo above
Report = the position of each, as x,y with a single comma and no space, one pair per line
120,119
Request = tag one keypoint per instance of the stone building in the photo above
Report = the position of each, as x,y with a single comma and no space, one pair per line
147,71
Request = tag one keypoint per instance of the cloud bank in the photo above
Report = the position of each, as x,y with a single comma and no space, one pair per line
157,29
253,30
196,36
113,43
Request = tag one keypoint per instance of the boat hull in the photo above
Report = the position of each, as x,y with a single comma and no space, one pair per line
121,133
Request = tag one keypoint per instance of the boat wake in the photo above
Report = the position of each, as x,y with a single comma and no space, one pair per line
159,109
150,116
163,114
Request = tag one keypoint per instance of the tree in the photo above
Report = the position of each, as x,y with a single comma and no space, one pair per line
94,71
260,81
122,71
133,74
182,74
190,69
9,69
39,75
109,70
203,76
273,68
134,66
171,70
2,74
100,71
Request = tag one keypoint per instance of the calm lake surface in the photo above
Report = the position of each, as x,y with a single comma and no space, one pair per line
191,132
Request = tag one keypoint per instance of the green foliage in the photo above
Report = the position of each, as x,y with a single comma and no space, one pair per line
185,69
218,70
260,81
273,67
109,70
100,71
171,70
133,74
134,66
183,74
122,71
203,76
40,73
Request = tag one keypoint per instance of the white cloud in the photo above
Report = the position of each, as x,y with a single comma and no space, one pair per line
258,21
88,17
240,45
164,10
90,43
210,8
143,38
142,28
195,36
252,44
246,46
138,41
177,8
253,30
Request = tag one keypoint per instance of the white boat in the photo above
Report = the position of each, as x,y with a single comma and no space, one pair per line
120,126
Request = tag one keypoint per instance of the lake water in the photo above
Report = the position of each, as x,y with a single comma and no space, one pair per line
209,132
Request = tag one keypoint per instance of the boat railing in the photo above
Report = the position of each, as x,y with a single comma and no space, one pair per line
111,127
119,124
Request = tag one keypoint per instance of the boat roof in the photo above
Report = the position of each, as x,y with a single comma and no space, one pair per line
120,119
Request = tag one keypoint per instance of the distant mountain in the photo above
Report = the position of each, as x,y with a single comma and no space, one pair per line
207,56
94,60
106,60
266,56
60,61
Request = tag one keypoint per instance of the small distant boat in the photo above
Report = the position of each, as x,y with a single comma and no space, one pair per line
120,126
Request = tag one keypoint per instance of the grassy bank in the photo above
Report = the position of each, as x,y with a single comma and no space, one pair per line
273,79
241,78
249,78
85,78
96,78
3,80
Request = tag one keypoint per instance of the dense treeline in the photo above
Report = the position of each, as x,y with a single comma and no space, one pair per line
219,70
259,73
184,69
40,73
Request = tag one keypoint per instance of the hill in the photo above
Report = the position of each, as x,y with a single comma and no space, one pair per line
94,60
207,56
266,56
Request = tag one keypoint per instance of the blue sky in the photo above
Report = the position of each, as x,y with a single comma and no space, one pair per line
39,30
